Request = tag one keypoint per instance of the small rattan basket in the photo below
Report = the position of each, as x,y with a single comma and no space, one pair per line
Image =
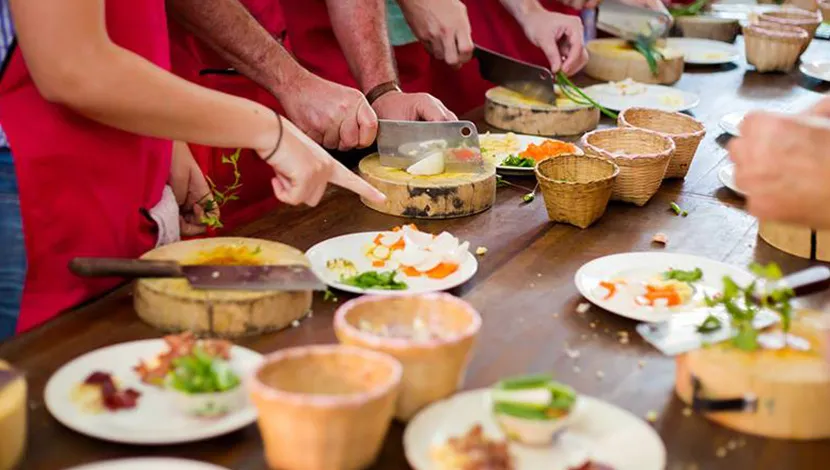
643,157
576,188
774,47
807,20
684,130
824,8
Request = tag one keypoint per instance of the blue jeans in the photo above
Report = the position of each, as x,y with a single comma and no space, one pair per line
12,247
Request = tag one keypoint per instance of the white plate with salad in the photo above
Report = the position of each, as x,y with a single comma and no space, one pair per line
653,287
403,260
628,93
597,433
133,411
517,154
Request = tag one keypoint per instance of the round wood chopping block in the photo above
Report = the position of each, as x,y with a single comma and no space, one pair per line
172,305
790,389
709,27
614,60
440,196
791,239
504,111
13,411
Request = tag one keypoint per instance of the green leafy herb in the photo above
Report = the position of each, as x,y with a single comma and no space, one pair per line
684,276
200,372
575,94
677,210
221,197
375,280
328,296
522,162
529,197
712,323
647,46
688,10
771,271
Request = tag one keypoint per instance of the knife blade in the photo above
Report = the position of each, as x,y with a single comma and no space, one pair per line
225,277
630,22
401,144
526,79
679,334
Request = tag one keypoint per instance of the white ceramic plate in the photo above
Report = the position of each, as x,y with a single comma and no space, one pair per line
637,268
704,51
730,123
155,420
819,69
726,175
600,431
149,463
350,247
655,96
524,141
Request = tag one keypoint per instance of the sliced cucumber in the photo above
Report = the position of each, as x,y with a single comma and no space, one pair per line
525,382
522,410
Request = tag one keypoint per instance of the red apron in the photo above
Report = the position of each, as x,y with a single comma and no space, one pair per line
191,56
82,184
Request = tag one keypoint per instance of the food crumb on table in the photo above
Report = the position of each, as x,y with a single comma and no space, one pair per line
652,416
295,323
481,251
556,315
600,374
641,364
732,444
687,412
721,452
660,238
583,307
571,353
577,369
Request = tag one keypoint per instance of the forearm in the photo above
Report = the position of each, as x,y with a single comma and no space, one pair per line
360,27
229,29
522,9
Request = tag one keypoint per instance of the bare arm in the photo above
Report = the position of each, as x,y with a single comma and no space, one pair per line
522,9
360,27
73,62
229,29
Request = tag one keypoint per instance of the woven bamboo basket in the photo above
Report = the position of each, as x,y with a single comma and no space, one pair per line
809,21
709,27
325,406
809,5
824,8
685,131
433,369
643,157
576,188
774,47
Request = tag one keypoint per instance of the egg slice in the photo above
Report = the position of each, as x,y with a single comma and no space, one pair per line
411,255
444,244
432,164
430,261
457,255
390,238
415,237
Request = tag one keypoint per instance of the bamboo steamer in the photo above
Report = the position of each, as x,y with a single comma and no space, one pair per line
576,188
796,240
807,20
508,110
613,60
13,408
783,394
172,305
709,27
442,196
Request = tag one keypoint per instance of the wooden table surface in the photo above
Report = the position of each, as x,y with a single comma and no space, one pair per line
524,290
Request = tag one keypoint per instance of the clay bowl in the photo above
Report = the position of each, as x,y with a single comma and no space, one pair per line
325,407
433,366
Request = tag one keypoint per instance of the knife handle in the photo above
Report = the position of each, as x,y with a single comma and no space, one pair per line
123,267
808,281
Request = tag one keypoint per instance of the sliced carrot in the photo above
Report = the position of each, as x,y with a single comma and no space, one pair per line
548,148
378,264
611,287
376,241
398,245
410,271
442,270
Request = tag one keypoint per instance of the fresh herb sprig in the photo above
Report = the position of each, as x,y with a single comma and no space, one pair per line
683,276
647,46
221,197
575,94
688,10
677,210
740,304
375,280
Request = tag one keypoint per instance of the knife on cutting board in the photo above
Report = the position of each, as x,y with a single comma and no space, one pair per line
401,144
679,334
526,79
631,22
225,277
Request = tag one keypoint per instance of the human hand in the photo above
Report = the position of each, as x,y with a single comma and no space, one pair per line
821,108
561,37
333,115
654,5
412,107
443,27
303,170
782,165
192,192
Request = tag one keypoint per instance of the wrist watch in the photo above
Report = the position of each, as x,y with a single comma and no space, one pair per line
381,90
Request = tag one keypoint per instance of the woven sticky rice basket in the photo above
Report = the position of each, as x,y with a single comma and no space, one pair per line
774,47
809,21
685,131
643,157
576,188
824,8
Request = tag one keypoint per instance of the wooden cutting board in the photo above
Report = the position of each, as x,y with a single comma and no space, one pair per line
12,420
507,110
172,305
613,61
797,240
441,196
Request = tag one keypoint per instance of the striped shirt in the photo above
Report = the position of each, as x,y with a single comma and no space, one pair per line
6,40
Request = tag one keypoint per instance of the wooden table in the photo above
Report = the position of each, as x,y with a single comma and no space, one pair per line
524,290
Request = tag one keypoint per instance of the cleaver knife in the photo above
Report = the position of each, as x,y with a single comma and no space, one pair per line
679,335
225,277
401,144
526,79
630,22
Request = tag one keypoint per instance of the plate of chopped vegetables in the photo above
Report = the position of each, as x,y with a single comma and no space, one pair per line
517,154
155,392
403,260
653,287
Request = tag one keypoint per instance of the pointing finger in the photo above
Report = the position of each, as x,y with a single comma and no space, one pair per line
343,177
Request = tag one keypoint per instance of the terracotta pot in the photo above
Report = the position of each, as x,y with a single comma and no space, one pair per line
325,407
433,368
